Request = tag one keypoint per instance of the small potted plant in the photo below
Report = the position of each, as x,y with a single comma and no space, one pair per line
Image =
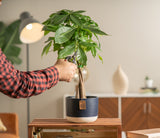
75,35
148,82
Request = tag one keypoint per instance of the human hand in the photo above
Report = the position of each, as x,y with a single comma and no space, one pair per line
66,69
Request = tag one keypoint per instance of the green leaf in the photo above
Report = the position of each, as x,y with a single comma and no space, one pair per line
52,15
84,38
79,11
98,40
10,41
63,12
13,51
10,31
46,22
56,47
2,28
15,60
86,33
63,34
49,39
51,28
59,19
46,32
88,44
84,18
75,20
98,48
93,51
2,40
46,48
67,50
95,30
81,56
100,58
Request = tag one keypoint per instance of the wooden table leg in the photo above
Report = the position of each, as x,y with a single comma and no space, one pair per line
30,132
119,133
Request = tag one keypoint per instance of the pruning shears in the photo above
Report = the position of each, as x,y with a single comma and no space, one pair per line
72,58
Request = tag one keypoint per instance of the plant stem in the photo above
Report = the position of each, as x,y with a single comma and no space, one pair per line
82,94
77,91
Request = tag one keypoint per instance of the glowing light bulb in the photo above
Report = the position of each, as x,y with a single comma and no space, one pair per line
29,26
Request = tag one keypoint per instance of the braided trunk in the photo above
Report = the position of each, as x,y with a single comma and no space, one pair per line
80,91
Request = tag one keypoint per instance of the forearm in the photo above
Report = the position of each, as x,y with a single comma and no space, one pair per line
17,84
26,84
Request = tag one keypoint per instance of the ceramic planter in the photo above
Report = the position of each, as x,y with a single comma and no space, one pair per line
149,83
82,110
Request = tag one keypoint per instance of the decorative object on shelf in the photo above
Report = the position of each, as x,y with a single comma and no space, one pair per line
9,39
73,39
148,86
120,81
148,82
30,32
148,90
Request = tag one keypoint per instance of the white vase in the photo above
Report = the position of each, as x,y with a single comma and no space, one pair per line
149,83
120,82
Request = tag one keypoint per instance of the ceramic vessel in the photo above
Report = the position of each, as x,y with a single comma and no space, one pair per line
75,113
120,82
149,83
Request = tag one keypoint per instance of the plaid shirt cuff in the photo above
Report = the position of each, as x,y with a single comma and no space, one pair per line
53,78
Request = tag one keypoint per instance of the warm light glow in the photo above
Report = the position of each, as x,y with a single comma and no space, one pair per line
29,26
32,35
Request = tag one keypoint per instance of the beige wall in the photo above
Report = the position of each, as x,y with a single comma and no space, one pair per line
134,26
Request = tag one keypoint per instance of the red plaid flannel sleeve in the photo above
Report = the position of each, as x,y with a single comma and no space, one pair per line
18,84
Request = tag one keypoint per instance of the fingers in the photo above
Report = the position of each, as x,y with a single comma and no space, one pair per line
66,70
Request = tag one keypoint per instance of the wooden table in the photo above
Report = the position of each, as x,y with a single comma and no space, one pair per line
101,128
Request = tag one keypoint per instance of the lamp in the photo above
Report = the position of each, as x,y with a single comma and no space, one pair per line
30,29
30,32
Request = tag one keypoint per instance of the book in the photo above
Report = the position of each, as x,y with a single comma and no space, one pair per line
147,90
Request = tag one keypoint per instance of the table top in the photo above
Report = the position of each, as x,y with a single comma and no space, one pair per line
64,123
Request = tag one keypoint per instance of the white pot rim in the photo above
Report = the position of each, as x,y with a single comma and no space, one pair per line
82,119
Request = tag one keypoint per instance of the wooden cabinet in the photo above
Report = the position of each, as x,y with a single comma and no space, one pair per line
134,113
108,107
140,113
154,112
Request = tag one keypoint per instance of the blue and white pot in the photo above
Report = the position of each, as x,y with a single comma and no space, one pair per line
88,112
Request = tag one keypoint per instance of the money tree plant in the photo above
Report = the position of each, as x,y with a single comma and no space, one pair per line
74,34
